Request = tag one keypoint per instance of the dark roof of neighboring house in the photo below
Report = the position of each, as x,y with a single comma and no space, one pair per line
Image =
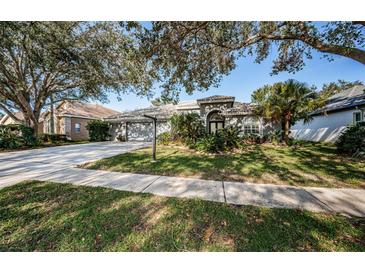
80,109
349,98
216,98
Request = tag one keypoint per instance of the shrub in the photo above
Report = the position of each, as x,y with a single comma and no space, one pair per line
164,138
352,141
10,137
211,143
53,138
187,128
274,136
27,134
231,137
16,135
251,139
98,130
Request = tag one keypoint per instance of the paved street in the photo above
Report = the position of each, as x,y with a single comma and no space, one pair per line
58,164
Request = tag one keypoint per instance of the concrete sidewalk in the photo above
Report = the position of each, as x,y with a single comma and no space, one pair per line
56,165
346,201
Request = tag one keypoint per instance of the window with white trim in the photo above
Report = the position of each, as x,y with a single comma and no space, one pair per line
251,129
77,127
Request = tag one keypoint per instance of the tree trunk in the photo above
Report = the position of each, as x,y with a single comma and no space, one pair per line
286,131
52,115
282,129
35,128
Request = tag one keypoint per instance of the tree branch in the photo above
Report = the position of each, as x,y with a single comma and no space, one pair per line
353,53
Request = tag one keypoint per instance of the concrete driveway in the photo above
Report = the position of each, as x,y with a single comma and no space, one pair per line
70,155
21,165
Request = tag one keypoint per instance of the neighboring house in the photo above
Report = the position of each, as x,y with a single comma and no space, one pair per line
342,109
71,118
7,120
216,112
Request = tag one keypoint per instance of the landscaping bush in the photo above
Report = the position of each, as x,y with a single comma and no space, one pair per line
231,137
15,136
187,128
251,139
98,130
53,138
225,139
27,135
211,143
164,138
352,141
10,137
274,136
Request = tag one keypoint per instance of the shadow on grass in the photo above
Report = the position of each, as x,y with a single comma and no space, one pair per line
56,217
307,165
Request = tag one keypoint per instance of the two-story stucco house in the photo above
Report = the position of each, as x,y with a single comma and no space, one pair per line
216,112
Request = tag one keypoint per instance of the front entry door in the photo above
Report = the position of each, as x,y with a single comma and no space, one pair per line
214,126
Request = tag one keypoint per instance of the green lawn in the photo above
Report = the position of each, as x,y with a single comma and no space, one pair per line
40,216
307,165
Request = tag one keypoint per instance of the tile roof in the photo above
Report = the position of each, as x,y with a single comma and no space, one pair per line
216,98
164,112
187,105
239,109
160,112
348,98
74,108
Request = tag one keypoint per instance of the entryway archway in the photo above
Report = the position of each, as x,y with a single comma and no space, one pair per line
215,121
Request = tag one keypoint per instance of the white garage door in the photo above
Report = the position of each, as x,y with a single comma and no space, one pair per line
139,131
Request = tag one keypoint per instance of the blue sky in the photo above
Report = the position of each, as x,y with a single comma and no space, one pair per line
248,76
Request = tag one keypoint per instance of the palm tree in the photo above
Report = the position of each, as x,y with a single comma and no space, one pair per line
285,103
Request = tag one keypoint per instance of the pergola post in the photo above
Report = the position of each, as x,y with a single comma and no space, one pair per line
154,122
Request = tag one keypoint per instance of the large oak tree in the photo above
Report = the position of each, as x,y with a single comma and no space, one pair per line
195,55
44,61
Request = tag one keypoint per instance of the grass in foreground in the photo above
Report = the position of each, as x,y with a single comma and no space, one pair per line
39,216
307,165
